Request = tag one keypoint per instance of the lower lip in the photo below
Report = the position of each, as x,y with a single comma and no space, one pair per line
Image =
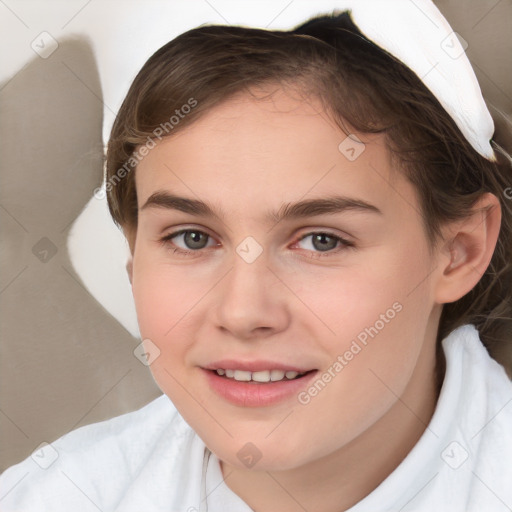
256,394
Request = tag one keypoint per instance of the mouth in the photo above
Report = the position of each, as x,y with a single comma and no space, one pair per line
264,376
259,388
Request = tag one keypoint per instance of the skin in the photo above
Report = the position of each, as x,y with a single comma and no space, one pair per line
294,304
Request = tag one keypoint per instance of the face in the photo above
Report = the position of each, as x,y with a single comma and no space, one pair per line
234,277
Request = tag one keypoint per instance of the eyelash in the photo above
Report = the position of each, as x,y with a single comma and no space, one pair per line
164,241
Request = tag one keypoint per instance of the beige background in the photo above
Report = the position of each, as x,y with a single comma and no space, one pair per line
65,361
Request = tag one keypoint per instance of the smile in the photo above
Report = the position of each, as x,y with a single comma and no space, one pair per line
260,388
262,376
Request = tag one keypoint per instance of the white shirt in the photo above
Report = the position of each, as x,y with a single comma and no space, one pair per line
151,460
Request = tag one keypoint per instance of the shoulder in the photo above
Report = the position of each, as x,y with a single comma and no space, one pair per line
73,471
486,389
484,410
478,363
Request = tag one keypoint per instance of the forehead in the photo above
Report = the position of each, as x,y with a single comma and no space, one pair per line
262,151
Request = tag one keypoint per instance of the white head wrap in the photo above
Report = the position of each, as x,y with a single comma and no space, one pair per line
417,34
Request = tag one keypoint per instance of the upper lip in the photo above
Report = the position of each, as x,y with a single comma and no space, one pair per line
255,366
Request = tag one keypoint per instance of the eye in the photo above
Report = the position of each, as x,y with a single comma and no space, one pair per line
324,242
192,239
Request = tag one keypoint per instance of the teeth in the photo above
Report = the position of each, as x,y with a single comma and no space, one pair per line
243,376
276,375
262,376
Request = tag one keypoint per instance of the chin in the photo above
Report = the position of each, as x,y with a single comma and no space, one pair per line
261,455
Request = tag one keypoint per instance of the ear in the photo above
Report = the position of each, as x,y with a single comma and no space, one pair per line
468,249
129,268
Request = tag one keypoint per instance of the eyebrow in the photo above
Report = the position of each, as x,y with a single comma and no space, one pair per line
302,209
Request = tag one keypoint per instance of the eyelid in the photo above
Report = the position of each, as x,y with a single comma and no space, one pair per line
327,231
310,231
167,238
345,243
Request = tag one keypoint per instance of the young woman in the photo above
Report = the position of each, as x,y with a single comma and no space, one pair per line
321,265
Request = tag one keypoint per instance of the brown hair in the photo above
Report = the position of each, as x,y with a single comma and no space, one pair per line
359,84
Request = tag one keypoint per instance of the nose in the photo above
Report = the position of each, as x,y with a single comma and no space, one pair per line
251,301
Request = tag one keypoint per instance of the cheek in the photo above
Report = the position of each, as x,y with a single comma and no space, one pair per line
372,356
370,292
164,294
164,298
371,319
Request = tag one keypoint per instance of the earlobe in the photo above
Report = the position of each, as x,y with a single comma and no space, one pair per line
468,251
